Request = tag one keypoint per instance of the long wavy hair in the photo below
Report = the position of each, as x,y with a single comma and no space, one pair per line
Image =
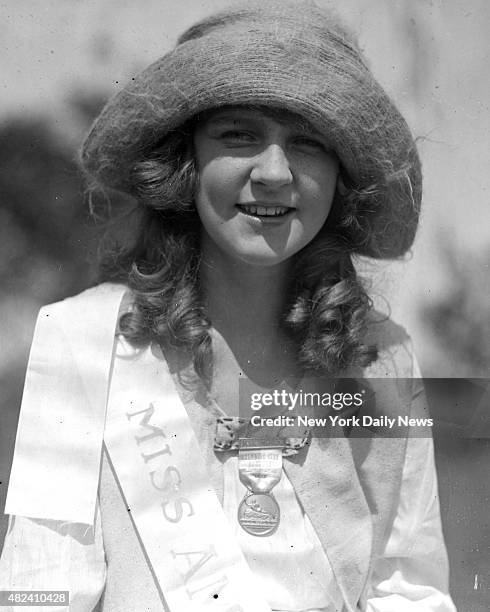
326,308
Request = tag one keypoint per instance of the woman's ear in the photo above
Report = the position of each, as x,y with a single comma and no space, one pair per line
341,188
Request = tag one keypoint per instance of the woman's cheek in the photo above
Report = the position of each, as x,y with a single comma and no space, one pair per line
219,186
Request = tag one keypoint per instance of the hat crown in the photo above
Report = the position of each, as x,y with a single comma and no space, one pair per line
287,20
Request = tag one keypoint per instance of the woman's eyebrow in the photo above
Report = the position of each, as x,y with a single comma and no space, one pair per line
228,118
303,127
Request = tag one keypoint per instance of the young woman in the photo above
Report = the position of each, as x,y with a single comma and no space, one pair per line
263,156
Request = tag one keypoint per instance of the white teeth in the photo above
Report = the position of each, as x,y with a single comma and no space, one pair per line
265,211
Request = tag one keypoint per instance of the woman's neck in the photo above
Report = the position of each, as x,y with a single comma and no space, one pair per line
244,298
245,305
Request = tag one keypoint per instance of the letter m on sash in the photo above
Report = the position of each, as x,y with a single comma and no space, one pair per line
152,431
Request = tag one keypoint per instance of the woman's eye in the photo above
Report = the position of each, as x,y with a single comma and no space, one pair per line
304,142
237,137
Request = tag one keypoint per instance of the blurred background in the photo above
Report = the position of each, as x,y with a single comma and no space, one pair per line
61,59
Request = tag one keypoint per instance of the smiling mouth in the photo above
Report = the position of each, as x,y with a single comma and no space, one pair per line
264,211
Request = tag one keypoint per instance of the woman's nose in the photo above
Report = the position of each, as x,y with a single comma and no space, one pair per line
271,167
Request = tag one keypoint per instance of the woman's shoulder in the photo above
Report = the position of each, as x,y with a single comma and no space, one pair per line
96,304
83,318
97,293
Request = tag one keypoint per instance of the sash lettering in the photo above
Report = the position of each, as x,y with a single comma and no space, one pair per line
180,522
170,476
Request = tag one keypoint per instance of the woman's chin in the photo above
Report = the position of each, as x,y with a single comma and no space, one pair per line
251,249
263,258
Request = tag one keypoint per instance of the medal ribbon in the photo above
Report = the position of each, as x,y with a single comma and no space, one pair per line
260,469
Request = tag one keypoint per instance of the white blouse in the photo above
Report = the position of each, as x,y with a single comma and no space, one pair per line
294,571
103,565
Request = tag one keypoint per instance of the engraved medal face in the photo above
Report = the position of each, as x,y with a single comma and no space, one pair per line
259,514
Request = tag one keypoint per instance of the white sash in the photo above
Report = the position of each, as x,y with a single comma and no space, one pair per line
56,466
55,469
177,515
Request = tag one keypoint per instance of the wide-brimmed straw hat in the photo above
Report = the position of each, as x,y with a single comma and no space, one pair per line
287,55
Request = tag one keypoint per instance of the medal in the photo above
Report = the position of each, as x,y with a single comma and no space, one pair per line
259,514
259,469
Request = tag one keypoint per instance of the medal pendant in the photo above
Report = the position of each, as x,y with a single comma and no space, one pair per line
259,514
259,469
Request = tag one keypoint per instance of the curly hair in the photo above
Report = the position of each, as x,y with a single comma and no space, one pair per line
326,308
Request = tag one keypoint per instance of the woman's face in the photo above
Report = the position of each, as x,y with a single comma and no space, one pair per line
266,184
